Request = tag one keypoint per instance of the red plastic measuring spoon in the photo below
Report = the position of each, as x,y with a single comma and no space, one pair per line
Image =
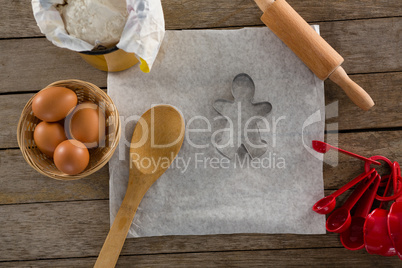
327,204
394,179
323,147
395,217
353,238
340,219
376,236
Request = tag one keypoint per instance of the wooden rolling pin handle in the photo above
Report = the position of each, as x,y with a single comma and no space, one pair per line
357,94
310,47
264,4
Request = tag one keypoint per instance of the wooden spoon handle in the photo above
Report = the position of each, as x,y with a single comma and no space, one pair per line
357,94
114,242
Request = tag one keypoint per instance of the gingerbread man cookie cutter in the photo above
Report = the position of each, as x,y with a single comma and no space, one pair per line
239,122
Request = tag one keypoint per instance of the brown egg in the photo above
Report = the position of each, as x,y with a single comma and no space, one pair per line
47,136
71,157
54,103
87,124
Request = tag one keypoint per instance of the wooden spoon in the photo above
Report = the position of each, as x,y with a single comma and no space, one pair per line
158,135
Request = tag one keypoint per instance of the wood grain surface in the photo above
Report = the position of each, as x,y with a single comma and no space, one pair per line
17,19
28,186
368,46
325,257
49,223
384,88
78,229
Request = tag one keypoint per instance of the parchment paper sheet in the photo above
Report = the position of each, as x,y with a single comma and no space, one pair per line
191,71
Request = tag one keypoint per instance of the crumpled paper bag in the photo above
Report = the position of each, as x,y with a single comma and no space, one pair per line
203,192
142,34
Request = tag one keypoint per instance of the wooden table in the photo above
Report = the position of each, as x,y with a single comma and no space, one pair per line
48,223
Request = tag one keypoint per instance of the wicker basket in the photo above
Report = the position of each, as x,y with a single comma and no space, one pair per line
98,156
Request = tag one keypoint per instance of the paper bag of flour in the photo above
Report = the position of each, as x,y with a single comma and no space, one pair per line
138,24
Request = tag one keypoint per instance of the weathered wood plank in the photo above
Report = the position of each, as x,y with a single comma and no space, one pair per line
78,229
18,21
11,108
367,46
223,13
323,257
337,257
31,64
386,91
21,184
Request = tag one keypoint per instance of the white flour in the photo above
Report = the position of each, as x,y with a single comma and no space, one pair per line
98,22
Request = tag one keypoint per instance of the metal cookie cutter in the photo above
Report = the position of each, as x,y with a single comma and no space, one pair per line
240,118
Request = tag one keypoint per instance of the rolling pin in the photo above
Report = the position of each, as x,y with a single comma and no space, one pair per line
311,48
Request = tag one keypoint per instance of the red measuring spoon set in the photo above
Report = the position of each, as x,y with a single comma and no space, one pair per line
359,221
